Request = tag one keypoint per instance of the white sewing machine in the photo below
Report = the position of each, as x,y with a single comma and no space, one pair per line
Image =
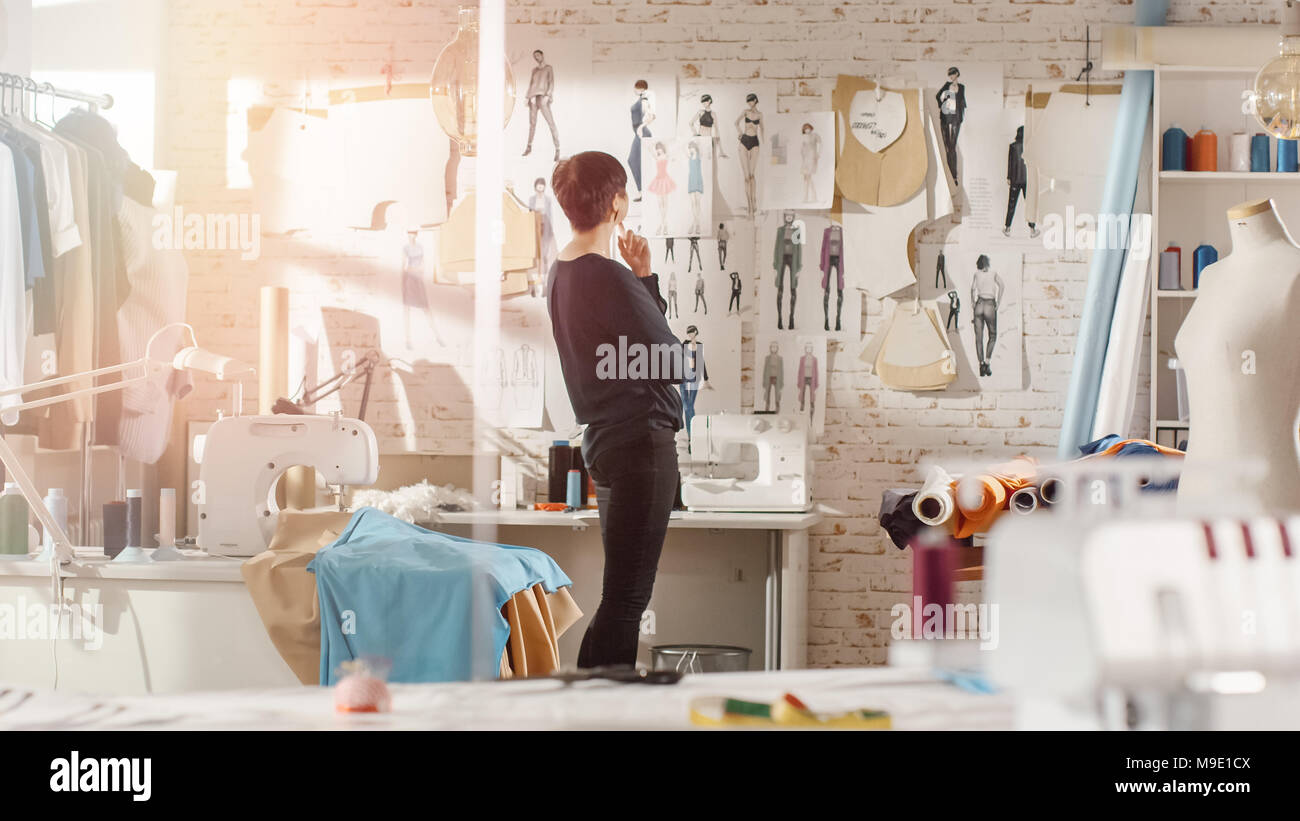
722,444
243,457
1161,622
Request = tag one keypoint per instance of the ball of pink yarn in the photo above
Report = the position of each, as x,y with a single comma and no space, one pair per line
362,693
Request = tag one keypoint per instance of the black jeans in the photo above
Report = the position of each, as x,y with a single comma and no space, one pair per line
636,483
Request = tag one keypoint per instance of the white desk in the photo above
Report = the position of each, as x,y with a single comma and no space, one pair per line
785,616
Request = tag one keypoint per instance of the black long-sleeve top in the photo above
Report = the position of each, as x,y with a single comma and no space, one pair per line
600,313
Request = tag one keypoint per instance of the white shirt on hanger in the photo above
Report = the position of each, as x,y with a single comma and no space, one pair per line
13,290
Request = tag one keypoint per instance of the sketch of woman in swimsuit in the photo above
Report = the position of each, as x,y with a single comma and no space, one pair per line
662,186
703,124
750,127
812,152
695,186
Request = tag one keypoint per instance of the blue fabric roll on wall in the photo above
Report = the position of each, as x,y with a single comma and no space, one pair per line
1108,263
428,602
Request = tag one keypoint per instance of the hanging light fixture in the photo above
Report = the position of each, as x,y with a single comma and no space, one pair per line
454,87
1277,86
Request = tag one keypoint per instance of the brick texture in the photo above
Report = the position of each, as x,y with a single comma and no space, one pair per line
227,53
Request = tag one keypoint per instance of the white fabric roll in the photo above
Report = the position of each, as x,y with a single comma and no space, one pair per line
935,503
1124,348
1025,500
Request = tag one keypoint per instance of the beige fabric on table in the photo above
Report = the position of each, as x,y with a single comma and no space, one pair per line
285,596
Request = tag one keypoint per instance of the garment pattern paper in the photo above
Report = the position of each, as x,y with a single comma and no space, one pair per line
790,377
798,161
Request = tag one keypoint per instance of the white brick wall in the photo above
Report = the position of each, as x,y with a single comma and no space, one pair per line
876,437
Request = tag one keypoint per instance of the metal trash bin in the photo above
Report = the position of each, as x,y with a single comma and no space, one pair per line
700,658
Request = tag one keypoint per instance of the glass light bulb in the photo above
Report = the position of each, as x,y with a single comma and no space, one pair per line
454,86
1277,91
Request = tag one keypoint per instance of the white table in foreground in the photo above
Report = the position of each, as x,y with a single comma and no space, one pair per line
785,616
915,699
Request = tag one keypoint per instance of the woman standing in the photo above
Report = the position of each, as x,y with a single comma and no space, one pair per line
643,113
629,444
661,186
812,152
750,126
695,186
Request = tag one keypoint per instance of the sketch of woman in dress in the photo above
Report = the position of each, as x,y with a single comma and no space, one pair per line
662,186
702,124
541,204
695,186
812,153
643,114
750,127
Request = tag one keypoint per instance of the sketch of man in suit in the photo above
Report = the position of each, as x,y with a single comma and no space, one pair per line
952,110
1017,176
541,94
773,377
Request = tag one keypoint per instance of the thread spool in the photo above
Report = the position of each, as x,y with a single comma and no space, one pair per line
934,566
167,517
1024,500
1286,156
1203,255
580,464
57,505
1173,150
1239,151
1205,151
573,489
134,518
559,460
1171,266
13,522
114,528
1259,153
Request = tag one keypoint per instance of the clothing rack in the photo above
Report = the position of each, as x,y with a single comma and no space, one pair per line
22,83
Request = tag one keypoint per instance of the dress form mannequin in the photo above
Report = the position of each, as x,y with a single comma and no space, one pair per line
1240,347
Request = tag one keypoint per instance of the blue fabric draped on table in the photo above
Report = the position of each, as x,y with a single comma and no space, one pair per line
429,603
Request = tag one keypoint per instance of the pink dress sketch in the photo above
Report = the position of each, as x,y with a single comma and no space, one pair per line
661,186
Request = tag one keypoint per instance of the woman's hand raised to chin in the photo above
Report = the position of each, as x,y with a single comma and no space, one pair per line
636,252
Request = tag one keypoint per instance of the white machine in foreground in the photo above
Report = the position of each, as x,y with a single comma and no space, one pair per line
1147,622
242,458
718,447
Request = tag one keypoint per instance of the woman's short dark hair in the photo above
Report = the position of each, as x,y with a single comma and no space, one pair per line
586,185
641,85
751,98
706,99
983,262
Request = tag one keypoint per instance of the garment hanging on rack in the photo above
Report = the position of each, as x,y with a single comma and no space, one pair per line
886,178
13,332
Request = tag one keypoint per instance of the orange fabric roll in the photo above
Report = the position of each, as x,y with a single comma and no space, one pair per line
1205,151
996,488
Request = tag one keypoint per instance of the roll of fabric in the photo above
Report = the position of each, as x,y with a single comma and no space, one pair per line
1286,155
981,499
1259,153
1173,150
1025,500
1107,264
1203,255
897,516
1171,265
935,503
1049,491
1205,151
1118,393
1239,151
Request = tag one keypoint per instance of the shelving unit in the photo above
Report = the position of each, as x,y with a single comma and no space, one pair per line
1188,207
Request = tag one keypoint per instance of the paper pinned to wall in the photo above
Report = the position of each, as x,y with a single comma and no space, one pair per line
677,200
798,162
800,263
790,377
723,120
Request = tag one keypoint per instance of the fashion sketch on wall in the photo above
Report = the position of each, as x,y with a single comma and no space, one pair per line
952,112
539,97
806,280
790,377
798,166
415,299
980,310
643,116
1017,177
695,367
677,201
540,203
701,294
739,169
